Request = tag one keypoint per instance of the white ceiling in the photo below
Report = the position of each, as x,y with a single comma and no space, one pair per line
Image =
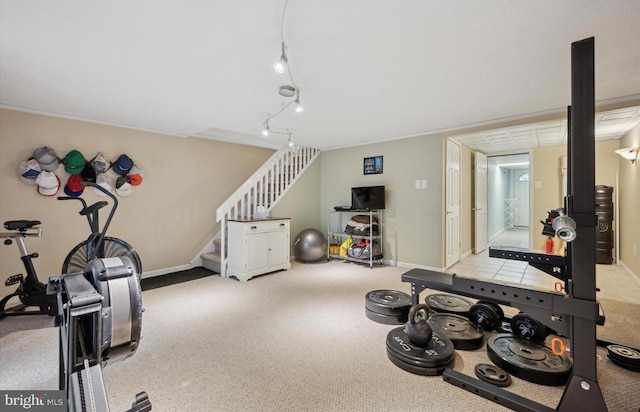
367,71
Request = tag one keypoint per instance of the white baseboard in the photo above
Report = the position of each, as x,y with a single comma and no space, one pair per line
628,271
466,254
160,272
413,266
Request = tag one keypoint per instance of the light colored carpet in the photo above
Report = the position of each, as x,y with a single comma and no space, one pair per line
288,341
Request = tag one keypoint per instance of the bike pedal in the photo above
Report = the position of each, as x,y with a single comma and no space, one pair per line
12,280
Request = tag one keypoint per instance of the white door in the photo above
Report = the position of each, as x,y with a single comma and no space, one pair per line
452,204
480,203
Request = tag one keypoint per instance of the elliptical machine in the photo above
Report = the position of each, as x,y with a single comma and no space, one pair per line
30,291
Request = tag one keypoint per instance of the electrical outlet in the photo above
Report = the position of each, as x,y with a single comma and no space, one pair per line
418,184
424,183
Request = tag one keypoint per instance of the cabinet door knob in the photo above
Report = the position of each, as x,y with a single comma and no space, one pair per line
281,224
254,227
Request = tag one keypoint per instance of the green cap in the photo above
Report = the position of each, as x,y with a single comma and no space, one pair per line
74,162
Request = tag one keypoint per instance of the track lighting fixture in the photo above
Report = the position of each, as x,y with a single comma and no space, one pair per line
299,107
281,65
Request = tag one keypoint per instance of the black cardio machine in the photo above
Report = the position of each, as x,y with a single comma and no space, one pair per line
30,291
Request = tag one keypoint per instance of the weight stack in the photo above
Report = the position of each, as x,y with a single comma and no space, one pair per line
604,230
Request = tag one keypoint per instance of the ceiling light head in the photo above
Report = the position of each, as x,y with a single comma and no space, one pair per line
265,128
281,65
629,153
299,107
287,91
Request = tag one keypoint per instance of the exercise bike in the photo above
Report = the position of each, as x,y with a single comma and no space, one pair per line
98,245
30,291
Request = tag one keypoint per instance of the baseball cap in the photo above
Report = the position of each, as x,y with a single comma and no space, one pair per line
122,165
74,162
104,181
100,163
48,183
135,175
123,186
74,187
29,171
47,158
88,173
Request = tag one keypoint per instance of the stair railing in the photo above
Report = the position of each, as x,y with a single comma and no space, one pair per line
262,191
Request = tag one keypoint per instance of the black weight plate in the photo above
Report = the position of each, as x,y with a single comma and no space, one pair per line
493,375
527,327
624,354
418,370
484,315
438,353
388,302
386,319
528,360
625,365
448,304
496,307
505,327
464,334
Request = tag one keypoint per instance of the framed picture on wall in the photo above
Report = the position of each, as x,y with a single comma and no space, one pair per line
373,165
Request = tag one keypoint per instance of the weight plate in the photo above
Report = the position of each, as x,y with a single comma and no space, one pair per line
386,319
418,370
625,365
624,354
388,302
484,315
438,353
464,334
528,360
448,304
527,327
493,375
505,327
496,307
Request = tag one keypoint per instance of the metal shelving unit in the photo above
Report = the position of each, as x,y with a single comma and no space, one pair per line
336,224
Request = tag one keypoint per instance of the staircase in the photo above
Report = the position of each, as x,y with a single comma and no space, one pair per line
257,196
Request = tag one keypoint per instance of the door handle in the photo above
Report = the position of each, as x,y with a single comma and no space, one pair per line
476,209
449,212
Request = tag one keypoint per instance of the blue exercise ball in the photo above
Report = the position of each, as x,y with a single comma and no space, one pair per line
310,246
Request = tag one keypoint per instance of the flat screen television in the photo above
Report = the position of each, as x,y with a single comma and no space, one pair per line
367,198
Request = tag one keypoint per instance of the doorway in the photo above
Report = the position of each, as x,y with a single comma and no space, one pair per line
508,200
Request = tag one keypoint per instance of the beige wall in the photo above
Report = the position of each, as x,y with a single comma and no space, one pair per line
545,169
412,227
168,219
630,205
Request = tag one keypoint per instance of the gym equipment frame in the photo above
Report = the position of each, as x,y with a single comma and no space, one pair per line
100,316
576,313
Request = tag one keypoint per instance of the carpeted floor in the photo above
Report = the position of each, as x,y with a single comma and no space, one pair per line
296,340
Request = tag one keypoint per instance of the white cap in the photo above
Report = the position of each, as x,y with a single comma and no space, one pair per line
123,187
29,171
48,183
103,181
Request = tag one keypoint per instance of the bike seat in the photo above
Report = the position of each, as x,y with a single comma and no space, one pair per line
20,225
89,209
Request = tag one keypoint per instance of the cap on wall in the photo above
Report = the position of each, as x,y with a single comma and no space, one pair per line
122,165
29,171
104,181
135,175
48,183
74,186
46,158
74,162
100,163
123,186
88,173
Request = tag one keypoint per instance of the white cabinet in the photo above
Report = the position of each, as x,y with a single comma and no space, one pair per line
257,247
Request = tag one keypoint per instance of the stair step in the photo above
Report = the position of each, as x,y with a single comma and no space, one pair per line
212,261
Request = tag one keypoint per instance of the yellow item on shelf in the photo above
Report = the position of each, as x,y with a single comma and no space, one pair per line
344,248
